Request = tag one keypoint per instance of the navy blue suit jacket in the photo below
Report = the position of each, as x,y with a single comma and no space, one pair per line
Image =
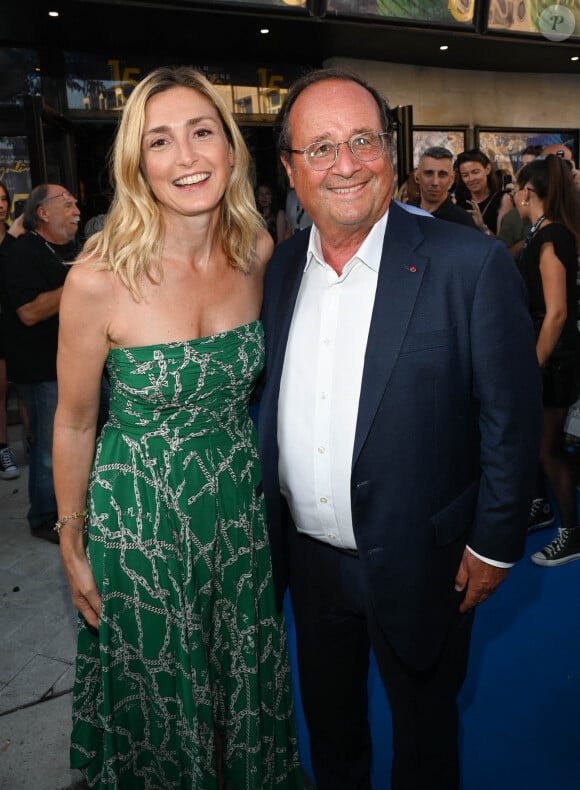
449,421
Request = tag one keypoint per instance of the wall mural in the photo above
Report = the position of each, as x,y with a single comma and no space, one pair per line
504,146
434,12
452,139
555,21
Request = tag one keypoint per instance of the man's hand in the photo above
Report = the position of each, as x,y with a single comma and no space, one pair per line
480,578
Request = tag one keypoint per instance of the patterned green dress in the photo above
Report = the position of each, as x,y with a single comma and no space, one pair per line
189,642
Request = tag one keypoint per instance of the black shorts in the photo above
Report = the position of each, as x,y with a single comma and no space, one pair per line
561,381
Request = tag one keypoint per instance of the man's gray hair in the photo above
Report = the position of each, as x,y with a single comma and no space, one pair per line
437,152
282,122
31,220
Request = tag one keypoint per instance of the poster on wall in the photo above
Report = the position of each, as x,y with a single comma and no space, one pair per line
255,3
504,146
554,21
428,12
15,169
452,139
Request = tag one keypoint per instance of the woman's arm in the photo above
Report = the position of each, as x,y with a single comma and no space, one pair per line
553,274
478,218
506,205
82,350
264,250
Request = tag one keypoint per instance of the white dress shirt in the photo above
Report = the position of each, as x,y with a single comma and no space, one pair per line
320,389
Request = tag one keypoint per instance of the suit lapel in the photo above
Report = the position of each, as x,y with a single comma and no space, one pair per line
286,276
287,295
400,277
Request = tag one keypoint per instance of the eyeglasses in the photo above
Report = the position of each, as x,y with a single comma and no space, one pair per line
69,200
322,154
66,195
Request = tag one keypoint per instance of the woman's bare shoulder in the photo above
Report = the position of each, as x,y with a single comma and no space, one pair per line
264,249
89,279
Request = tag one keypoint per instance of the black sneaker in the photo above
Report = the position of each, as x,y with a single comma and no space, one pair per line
541,515
8,469
564,548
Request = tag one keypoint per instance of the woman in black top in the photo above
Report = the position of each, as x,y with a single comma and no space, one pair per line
478,191
549,261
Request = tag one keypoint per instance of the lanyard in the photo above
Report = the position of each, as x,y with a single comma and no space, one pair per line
50,247
531,234
533,230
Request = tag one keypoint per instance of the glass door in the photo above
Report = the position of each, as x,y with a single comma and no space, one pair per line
51,145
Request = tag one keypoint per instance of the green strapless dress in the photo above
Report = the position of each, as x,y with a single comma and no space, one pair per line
190,644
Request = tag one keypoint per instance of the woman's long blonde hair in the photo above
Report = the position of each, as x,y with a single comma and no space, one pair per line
131,241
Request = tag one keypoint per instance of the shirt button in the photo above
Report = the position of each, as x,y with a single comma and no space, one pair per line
324,500
321,450
323,395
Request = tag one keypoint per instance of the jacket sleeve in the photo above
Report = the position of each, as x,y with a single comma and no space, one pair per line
506,382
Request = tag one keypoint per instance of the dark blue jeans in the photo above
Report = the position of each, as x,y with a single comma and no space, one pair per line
40,399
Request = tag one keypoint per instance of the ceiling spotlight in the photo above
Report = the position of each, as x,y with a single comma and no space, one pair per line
575,57
443,47
264,31
53,13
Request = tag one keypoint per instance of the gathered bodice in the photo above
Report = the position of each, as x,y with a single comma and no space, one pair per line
185,389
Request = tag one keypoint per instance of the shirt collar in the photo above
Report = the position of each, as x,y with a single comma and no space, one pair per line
369,252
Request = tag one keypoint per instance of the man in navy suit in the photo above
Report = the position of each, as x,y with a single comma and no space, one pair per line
399,432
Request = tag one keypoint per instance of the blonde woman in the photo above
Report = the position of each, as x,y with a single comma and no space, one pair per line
182,671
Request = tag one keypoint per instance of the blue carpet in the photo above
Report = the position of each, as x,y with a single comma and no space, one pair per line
520,705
